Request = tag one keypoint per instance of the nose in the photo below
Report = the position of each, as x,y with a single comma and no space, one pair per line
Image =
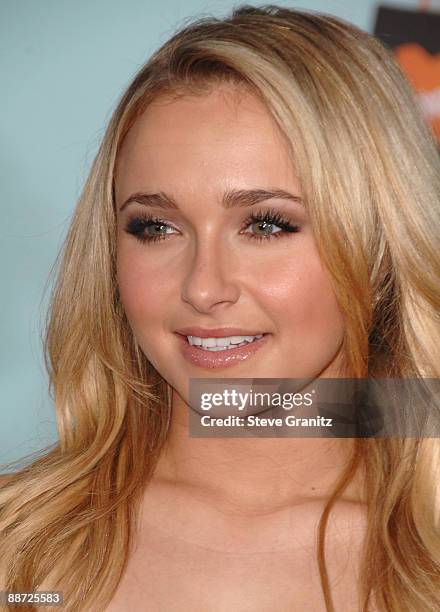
211,282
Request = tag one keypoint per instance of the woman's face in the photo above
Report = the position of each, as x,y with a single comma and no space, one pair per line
211,266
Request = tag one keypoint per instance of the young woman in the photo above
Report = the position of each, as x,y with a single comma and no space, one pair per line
265,175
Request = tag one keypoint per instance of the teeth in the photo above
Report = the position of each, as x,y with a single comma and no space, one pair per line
220,344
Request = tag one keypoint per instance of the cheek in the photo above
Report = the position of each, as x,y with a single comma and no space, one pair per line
143,291
299,293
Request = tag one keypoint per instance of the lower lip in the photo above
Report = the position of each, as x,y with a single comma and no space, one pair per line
219,359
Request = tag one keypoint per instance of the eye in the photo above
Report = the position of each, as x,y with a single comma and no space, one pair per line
147,228
265,221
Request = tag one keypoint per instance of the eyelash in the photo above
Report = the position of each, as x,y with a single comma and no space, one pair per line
138,224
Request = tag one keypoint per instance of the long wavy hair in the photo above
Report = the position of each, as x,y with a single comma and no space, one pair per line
369,172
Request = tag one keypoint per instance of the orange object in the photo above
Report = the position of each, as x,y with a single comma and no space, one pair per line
423,71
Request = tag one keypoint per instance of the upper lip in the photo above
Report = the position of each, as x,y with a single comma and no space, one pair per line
218,332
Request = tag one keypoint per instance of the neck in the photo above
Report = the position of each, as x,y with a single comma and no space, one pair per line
253,475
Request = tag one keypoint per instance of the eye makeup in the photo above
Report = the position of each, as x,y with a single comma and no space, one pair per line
139,225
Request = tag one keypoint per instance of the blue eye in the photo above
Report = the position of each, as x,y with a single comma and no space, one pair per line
147,228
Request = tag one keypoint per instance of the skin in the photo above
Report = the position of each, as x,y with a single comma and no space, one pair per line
195,149
207,273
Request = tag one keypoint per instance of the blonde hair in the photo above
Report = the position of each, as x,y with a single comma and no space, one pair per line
369,172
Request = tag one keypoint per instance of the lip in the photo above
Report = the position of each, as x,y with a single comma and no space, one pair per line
219,359
218,332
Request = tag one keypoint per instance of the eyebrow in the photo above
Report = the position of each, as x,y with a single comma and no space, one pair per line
231,199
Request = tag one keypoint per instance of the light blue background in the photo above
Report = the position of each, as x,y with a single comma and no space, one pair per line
63,66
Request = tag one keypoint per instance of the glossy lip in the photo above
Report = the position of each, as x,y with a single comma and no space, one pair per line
219,359
218,332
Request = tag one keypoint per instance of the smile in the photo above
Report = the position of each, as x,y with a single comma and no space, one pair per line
214,353
222,344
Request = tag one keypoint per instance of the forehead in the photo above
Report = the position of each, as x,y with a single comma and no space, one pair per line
223,135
